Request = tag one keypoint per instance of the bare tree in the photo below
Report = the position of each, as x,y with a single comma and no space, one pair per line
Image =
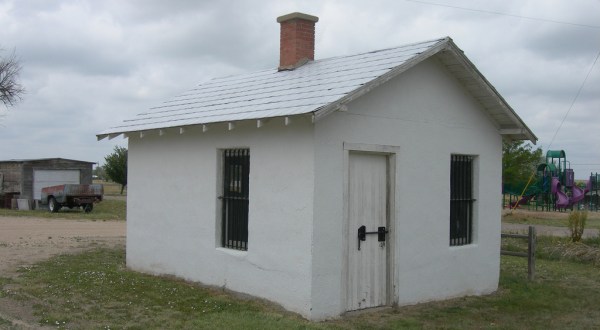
10,88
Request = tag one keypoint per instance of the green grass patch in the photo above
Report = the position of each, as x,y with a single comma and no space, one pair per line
564,296
111,188
95,290
108,209
5,324
4,281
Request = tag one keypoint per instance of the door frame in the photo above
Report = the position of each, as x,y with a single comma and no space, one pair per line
391,153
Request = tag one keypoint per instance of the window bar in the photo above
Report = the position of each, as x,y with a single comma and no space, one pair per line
238,213
470,199
232,201
236,186
463,218
453,188
241,209
246,191
225,195
463,181
234,213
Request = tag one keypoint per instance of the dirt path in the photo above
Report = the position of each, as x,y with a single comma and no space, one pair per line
25,241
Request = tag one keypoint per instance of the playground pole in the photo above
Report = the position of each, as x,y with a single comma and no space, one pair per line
522,192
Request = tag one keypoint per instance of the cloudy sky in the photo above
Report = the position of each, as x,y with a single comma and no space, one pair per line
88,64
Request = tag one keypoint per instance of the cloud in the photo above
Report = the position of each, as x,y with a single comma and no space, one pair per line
89,64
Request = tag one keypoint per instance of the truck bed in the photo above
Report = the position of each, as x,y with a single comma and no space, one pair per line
72,195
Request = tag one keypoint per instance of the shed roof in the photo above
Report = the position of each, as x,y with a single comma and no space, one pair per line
318,88
43,160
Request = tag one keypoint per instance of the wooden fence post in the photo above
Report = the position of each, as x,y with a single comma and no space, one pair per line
531,253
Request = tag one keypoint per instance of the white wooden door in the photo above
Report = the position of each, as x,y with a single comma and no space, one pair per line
367,277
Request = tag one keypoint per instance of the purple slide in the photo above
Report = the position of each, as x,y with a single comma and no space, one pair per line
579,194
562,201
523,200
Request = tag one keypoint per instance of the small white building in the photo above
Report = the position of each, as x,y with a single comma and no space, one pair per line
326,185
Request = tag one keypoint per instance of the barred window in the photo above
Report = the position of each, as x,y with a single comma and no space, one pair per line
236,171
461,200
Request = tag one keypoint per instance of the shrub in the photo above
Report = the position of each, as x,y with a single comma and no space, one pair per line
577,224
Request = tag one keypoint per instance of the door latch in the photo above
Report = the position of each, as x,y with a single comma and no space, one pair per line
362,234
381,234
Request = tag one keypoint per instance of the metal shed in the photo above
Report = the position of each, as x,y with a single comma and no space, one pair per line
26,177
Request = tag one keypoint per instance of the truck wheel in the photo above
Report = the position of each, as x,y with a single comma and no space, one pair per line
53,206
88,208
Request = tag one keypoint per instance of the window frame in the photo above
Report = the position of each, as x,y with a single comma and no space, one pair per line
463,191
234,198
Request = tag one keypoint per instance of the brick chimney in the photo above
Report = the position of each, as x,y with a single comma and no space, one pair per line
297,40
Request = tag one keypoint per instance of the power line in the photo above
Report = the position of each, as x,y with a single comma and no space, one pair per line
533,19
506,14
575,98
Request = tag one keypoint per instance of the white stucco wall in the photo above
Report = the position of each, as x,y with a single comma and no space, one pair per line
296,216
173,210
429,116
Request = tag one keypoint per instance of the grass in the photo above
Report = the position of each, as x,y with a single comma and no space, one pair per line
108,209
559,248
518,304
95,290
111,188
4,281
4,324
555,219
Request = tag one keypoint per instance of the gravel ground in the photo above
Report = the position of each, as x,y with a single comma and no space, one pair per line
25,241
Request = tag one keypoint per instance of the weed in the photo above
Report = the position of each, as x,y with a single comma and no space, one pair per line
577,221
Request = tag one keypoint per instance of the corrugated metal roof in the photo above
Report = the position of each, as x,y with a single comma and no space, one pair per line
317,87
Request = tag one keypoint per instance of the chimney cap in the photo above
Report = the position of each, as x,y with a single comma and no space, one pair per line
295,15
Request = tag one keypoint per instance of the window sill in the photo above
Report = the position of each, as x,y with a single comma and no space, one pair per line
234,253
463,247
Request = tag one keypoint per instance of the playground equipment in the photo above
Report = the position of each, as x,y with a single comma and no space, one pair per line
554,188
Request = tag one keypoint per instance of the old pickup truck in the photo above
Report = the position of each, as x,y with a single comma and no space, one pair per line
72,195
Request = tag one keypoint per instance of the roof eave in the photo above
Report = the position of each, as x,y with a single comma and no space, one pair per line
445,45
519,129
512,134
